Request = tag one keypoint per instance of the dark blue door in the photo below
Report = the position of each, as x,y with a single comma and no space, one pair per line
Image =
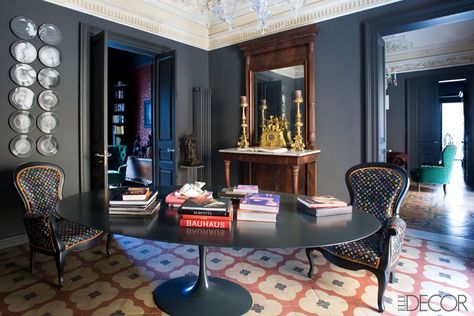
164,119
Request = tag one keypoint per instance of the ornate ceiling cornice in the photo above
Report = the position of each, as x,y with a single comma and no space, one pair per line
432,62
188,22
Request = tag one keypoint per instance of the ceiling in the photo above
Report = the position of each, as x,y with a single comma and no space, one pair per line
189,21
439,46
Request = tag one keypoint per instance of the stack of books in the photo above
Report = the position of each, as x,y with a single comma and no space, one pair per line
135,201
259,207
323,205
176,199
205,212
239,191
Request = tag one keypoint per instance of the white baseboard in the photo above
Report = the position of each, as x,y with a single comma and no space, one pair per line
13,241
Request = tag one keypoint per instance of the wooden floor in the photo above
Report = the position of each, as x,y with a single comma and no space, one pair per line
451,214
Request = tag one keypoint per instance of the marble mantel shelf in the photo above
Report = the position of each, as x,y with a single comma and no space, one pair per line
284,153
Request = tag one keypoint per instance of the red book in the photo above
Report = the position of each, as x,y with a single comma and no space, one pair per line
207,218
204,224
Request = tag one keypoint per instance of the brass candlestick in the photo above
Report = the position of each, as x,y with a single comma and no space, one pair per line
243,142
263,108
298,144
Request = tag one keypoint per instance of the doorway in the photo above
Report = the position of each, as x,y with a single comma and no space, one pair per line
127,111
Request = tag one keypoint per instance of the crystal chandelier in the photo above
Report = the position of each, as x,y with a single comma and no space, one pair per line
224,10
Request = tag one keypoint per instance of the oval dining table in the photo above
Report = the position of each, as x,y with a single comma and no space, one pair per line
202,294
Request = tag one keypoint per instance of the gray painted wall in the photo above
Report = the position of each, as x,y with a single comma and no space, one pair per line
340,104
192,70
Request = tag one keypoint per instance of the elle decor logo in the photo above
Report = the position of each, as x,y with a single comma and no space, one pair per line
439,302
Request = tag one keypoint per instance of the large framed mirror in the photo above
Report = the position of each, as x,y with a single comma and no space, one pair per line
275,67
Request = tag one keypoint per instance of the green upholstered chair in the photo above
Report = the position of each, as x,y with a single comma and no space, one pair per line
438,173
117,164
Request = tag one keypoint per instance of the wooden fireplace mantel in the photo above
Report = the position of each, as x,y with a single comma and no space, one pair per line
292,172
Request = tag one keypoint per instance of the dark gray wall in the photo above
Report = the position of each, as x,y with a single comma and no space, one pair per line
396,116
192,70
340,104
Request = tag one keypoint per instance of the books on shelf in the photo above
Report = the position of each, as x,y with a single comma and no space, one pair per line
264,202
119,200
321,201
245,188
132,210
244,215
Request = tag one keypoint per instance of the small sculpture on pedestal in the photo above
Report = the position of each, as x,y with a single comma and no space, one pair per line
190,150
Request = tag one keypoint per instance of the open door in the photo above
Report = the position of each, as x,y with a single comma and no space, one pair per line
165,117
98,111
381,112
424,121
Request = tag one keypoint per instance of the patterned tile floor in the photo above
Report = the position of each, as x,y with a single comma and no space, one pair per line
451,214
276,278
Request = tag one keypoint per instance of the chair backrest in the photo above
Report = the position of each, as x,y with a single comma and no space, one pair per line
40,186
449,153
377,188
118,156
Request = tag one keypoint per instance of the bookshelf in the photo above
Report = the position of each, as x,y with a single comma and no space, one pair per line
118,113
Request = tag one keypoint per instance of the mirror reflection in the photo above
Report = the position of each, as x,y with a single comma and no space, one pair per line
276,88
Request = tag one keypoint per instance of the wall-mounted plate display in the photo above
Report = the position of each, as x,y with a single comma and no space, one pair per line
22,122
50,34
49,100
48,122
49,56
23,75
47,145
23,27
23,51
49,78
22,98
22,146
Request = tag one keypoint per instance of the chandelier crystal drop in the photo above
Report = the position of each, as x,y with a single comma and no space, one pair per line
225,10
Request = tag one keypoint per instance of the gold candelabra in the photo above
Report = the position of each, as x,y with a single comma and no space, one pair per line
243,142
263,108
298,144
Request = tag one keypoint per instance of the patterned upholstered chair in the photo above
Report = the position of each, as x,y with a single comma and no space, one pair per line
40,186
377,188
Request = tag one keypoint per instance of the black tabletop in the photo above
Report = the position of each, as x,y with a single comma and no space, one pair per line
294,228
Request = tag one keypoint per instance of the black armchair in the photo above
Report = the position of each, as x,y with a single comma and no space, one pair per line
379,189
40,187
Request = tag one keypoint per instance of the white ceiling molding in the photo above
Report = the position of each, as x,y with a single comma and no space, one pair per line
189,22
440,46
294,72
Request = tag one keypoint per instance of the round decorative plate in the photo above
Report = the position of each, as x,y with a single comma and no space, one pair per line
23,75
48,122
22,98
23,51
49,56
23,27
47,145
49,100
50,34
49,78
22,146
22,121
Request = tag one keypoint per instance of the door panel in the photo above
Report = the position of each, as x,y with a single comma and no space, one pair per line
425,121
166,152
98,111
381,144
